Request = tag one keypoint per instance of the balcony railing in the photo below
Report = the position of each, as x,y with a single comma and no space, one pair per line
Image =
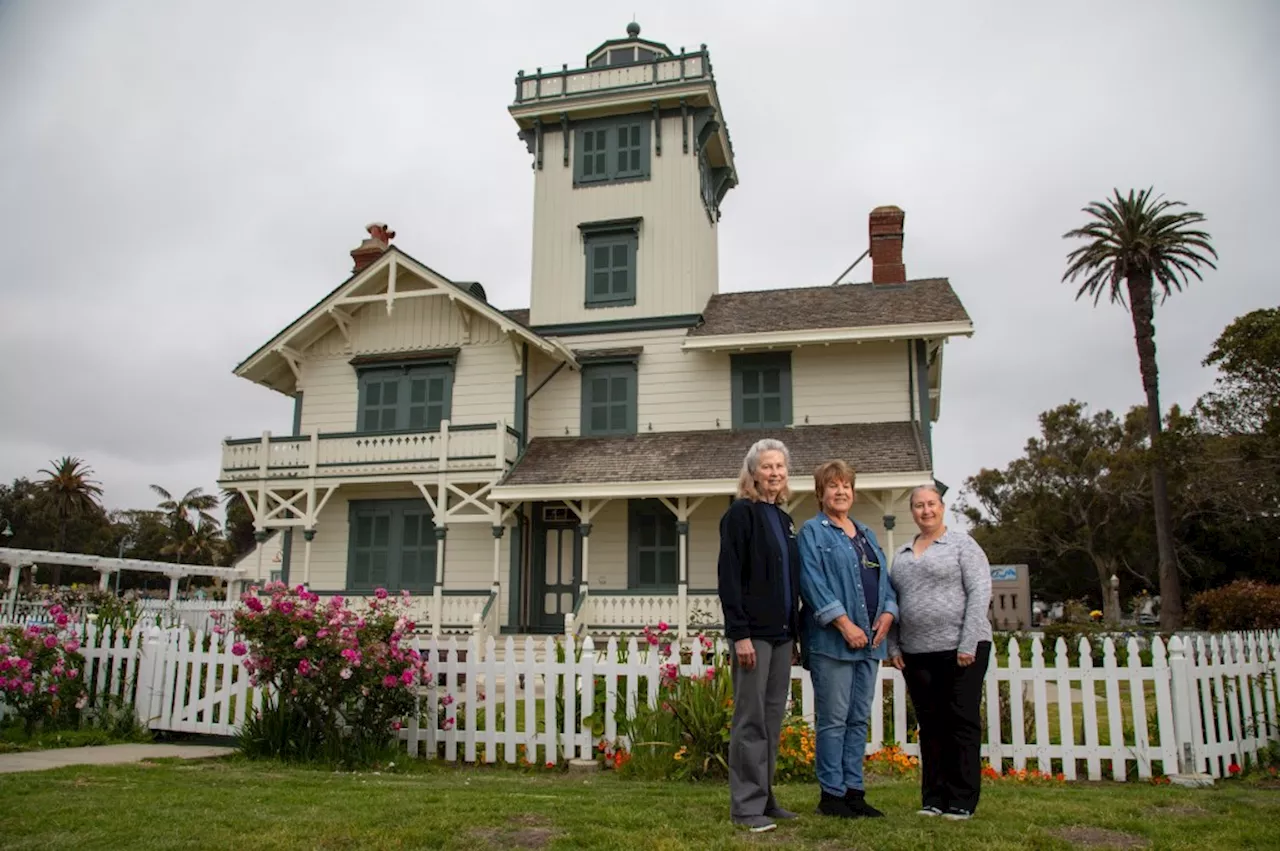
455,448
662,71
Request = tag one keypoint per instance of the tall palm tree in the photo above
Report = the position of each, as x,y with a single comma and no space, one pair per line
74,493
180,511
1137,243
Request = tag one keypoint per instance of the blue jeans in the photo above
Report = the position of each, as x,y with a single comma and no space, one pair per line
842,694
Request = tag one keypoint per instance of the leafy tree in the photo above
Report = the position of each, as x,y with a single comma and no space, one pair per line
180,511
1135,244
1245,399
74,494
1070,504
239,526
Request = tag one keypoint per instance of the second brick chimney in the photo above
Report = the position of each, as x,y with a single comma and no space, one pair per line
378,241
885,227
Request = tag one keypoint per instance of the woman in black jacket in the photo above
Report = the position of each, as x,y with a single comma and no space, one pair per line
760,595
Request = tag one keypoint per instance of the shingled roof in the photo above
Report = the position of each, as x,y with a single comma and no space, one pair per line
840,306
691,455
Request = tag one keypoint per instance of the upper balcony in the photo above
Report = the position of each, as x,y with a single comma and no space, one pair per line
481,451
656,74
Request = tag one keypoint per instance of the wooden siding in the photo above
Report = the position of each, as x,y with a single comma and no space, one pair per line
676,263
675,391
850,383
689,391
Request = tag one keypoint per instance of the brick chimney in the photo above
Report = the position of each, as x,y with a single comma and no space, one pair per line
885,227
378,241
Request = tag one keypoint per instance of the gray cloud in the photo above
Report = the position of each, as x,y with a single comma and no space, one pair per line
179,181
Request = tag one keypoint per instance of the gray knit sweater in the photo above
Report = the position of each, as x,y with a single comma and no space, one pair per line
942,596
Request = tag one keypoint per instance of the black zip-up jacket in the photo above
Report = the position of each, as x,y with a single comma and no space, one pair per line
750,568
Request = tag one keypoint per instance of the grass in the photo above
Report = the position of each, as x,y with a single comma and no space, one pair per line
233,803
13,739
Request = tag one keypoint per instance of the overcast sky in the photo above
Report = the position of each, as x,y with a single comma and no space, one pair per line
180,180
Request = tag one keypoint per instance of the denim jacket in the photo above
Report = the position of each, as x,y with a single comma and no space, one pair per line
831,585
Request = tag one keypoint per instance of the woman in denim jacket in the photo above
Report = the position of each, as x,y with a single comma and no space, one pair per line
850,604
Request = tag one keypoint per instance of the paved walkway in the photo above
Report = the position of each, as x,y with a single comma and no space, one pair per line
103,755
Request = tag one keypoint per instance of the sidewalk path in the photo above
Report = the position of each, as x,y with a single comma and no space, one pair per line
103,755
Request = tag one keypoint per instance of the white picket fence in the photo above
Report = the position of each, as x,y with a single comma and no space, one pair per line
1199,705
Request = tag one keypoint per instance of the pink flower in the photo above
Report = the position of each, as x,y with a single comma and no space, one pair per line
396,725
238,649
71,646
216,616
51,641
407,676
711,673
61,620
53,689
381,593
447,700
301,589
322,633
304,667
389,681
285,606
300,643
82,701
662,626
28,688
653,640
449,722
345,673
253,603
72,673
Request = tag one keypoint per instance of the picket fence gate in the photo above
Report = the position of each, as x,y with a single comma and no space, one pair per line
1201,704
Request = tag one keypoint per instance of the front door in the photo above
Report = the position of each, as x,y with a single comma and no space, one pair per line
556,568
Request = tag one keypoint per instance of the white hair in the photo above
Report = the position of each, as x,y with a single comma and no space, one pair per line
751,464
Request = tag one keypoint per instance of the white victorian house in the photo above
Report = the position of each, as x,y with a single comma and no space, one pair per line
567,464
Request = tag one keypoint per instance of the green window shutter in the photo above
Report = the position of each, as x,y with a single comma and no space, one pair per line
611,268
653,547
370,551
612,149
761,390
391,545
404,397
608,399
427,395
379,400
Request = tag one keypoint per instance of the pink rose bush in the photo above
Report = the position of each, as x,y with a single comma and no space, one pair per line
40,671
339,680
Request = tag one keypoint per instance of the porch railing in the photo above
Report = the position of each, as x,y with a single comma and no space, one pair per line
662,71
480,446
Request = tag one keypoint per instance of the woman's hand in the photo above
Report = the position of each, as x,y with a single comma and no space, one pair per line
746,652
881,629
898,662
852,633
964,660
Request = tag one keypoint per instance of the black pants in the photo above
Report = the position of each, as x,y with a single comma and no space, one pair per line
947,700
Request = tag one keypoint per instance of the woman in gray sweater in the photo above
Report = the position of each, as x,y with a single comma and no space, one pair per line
941,642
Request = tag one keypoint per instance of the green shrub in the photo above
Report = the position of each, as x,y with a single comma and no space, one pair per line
1243,604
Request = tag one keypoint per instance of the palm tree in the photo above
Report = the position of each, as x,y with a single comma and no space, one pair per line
1137,243
73,493
180,511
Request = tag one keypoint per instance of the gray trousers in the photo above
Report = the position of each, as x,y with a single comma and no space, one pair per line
759,702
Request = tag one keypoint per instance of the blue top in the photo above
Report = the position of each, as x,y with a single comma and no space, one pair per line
831,582
775,522
869,563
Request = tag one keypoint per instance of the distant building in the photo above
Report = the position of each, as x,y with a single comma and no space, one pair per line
1010,597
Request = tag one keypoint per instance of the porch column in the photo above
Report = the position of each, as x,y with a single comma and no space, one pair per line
104,577
260,535
173,585
437,593
682,535
889,522
497,552
584,529
308,535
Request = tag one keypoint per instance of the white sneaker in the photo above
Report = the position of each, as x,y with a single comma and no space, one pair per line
957,815
928,811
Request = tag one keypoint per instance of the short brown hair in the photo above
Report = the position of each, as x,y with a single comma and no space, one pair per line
828,472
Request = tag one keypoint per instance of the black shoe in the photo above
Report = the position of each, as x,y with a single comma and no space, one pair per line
834,805
856,800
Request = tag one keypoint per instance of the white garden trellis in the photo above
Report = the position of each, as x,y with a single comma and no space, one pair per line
16,559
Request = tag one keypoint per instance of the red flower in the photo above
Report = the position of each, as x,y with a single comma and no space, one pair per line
1233,768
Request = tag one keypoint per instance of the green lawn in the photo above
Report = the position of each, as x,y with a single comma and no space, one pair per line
236,804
